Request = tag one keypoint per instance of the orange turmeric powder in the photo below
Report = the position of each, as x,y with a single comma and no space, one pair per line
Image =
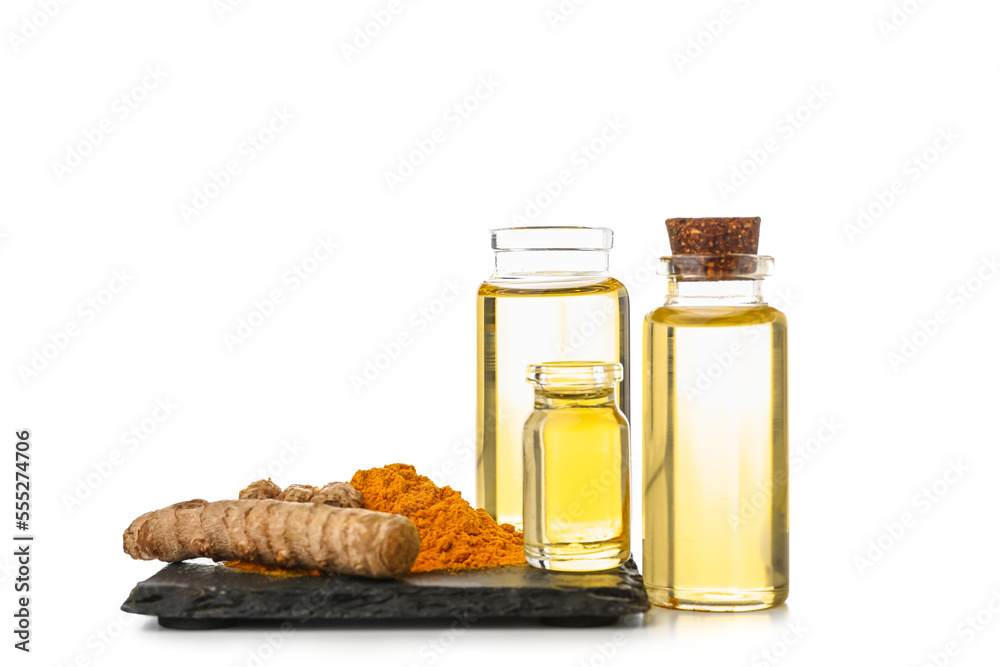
273,570
452,534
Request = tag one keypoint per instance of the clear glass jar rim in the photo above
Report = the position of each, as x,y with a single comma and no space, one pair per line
736,266
575,373
512,239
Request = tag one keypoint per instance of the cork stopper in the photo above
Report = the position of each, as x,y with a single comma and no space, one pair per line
713,236
713,248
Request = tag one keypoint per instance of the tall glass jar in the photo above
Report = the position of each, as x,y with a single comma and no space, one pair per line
715,439
550,297
576,469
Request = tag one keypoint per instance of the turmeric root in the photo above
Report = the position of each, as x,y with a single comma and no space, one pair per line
335,494
260,490
277,533
338,494
297,493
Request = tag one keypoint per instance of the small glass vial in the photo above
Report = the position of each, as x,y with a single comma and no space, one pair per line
715,437
550,297
576,469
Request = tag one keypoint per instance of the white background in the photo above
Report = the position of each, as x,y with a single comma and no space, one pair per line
853,297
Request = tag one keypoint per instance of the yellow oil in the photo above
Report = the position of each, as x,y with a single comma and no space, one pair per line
715,457
528,324
576,486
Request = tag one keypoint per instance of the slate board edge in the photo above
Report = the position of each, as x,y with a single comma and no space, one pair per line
380,600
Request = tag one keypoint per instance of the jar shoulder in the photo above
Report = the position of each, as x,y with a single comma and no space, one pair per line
571,416
551,286
716,316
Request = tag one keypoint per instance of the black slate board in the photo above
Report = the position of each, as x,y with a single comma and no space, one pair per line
195,596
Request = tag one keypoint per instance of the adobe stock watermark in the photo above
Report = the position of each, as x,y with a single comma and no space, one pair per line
419,321
246,152
801,453
87,311
967,630
289,451
899,15
100,641
121,108
786,127
365,34
600,487
433,650
580,332
460,458
32,24
956,299
921,504
454,117
712,29
223,8
8,569
579,161
640,273
604,654
911,171
781,647
561,12
292,279
131,439
269,645
590,324
753,338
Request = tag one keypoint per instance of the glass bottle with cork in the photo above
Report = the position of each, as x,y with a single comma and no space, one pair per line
715,412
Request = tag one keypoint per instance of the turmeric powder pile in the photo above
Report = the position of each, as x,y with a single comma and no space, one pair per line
452,534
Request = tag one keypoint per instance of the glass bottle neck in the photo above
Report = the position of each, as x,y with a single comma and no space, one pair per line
598,398
714,292
550,264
